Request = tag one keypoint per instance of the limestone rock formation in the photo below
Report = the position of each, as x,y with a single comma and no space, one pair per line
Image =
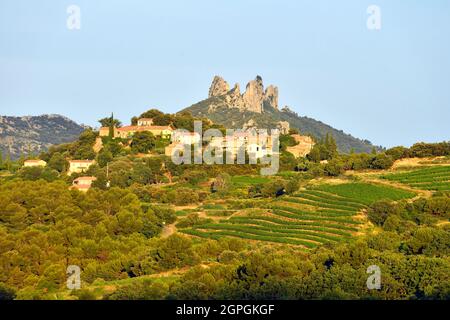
303,147
283,126
234,98
253,99
219,87
271,96
254,95
259,106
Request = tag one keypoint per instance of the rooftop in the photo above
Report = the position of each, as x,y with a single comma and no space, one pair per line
81,161
85,179
143,128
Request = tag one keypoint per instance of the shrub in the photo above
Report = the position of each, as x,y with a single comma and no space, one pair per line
58,162
36,173
191,220
194,177
181,196
143,142
439,206
382,161
222,184
164,213
379,211
227,256
334,167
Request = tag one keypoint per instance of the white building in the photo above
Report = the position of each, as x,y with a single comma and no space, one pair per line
34,163
184,137
145,122
78,166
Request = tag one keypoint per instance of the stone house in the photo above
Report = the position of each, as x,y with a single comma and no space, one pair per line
34,163
145,122
78,166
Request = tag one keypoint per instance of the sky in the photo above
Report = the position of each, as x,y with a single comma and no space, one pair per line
390,86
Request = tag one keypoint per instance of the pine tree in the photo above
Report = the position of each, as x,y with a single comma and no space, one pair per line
111,126
330,147
327,140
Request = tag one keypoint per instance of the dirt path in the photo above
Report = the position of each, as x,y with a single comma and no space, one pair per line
168,230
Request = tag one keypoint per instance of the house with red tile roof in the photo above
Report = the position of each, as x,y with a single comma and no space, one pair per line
83,183
128,131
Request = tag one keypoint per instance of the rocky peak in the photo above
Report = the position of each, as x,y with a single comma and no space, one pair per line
254,95
219,87
271,96
251,100
236,89
234,98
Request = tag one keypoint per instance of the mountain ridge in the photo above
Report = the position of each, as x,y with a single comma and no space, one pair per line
24,135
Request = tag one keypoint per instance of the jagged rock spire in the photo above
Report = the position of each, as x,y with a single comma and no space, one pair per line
254,95
271,96
253,99
219,87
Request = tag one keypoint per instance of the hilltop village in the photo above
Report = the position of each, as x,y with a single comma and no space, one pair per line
173,139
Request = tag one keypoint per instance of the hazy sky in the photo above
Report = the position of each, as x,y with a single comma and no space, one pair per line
390,86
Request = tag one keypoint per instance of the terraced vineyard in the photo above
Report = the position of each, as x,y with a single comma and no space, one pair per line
309,218
432,178
214,210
